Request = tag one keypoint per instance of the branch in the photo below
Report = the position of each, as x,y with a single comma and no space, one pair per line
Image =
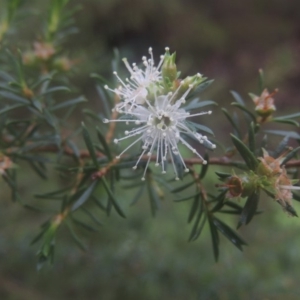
83,154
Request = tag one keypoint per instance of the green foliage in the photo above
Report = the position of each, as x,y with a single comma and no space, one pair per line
39,135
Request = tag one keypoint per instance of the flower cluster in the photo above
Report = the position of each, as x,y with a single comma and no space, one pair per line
278,181
270,176
152,100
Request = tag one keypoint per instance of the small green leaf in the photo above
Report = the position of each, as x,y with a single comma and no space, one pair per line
223,175
197,221
204,168
232,236
196,203
201,87
56,89
38,169
195,127
183,187
76,239
261,80
232,121
10,108
251,137
68,103
290,156
281,147
249,209
220,201
290,134
246,110
14,97
85,196
291,116
104,143
214,237
137,195
195,104
89,145
112,198
91,216
238,98
92,114
84,225
153,197
245,152
285,121
186,198
100,78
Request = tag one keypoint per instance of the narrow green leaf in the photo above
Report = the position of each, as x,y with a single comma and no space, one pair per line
222,175
251,137
245,152
220,201
68,103
112,198
214,237
238,98
84,225
232,122
54,193
261,80
296,197
290,156
183,187
99,203
76,239
201,87
137,195
56,89
39,235
249,209
197,221
100,78
91,216
14,97
153,197
90,146
74,148
285,121
104,144
290,134
85,196
232,236
281,147
291,116
204,168
195,104
196,203
186,198
246,110
10,108
40,171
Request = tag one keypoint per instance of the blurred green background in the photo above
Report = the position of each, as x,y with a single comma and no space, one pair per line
144,257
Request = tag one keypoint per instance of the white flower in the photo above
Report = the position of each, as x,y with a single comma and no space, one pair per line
161,127
135,89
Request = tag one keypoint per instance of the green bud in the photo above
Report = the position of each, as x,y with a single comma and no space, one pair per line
169,69
189,81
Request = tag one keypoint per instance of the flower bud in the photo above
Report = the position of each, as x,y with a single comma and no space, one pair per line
63,64
169,69
268,165
264,104
235,187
